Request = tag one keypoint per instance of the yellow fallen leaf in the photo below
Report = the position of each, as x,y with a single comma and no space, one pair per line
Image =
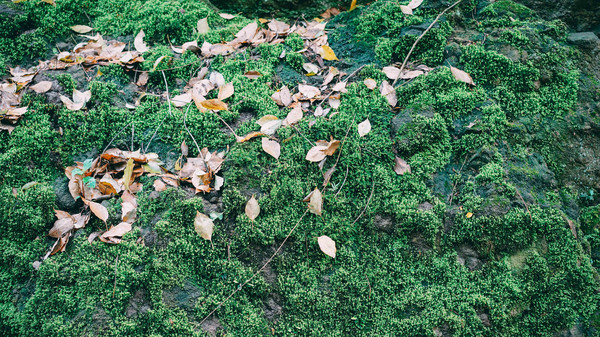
328,54
352,6
469,215
214,104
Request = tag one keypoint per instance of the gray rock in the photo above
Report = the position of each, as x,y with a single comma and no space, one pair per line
64,200
400,120
468,257
384,223
586,40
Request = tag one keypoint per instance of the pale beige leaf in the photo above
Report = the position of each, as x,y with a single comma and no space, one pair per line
370,83
341,87
309,91
364,127
278,26
401,166
203,26
327,245
81,29
159,185
414,3
203,226
41,87
391,72
311,68
408,75
116,232
461,76
293,116
252,208
270,127
315,202
226,16
316,154
226,91
139,43
389,92
406,10
271,147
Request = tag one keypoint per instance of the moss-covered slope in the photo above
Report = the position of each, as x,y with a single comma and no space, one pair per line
487,236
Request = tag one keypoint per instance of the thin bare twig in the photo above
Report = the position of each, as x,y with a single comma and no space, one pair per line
188,130
167,87
258,271
368,201
343,182
421,36
308,140
118,133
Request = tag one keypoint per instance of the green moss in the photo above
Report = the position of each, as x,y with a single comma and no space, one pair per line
66,81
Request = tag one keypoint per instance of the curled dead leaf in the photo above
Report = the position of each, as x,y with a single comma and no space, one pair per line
214,104
315,202
401,166
139,43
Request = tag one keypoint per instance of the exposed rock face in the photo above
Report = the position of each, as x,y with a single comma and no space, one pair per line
580,15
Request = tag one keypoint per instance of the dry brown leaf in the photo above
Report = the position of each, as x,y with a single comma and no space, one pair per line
226,91
159,185
252,208
316,153
139,43
114,234
252,74
332,146
461,76
401,166
271,147
203,26
278,26
364,127
203,226
214,104
98,210
248,32
41,87
327,245
315,202
352,6
265,119
81,29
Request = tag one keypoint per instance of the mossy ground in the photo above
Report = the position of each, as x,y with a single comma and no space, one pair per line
413,264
